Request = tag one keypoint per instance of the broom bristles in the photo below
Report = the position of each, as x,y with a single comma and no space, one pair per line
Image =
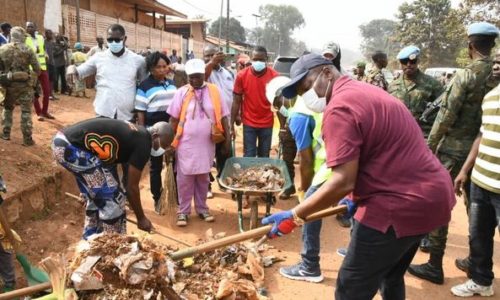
168,200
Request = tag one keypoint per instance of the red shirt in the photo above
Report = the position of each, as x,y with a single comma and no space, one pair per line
400,183
256,110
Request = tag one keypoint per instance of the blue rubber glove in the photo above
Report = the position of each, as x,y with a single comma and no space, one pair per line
351,207
282,223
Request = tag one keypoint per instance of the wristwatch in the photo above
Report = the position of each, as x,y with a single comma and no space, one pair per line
296,219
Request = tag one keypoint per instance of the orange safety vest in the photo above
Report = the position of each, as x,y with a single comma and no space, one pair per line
213,91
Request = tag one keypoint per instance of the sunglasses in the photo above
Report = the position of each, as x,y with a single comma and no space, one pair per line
116,40
406,61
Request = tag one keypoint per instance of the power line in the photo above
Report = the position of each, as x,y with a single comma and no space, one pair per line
198,8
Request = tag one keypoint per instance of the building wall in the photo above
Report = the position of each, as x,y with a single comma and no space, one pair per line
18,12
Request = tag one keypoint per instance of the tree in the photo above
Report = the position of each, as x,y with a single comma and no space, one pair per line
433,26
481,10
379,34
236,31
279,23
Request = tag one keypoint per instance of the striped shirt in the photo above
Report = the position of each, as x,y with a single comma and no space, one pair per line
154,96
486,172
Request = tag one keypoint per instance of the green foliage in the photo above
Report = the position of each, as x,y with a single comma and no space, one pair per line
379,34
481,10
279,23
236,31
435,27
463,58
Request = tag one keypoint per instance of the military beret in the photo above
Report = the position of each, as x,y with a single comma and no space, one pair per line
409,52
361,64
482,28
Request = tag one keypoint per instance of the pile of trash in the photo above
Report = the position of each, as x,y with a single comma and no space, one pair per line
258,178
128,267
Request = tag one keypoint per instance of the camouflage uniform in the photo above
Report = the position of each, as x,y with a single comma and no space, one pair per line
415,94
17,57
456,127
377,78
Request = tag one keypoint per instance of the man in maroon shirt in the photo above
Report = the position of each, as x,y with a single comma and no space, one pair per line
376,150
250,105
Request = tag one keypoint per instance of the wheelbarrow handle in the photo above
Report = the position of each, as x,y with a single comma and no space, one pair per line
250,234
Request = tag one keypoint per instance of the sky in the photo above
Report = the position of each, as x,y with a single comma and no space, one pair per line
325,20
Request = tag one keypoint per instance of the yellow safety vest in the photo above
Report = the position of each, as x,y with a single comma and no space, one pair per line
321,171
41,50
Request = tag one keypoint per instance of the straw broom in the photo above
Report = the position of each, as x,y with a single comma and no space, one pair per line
167,204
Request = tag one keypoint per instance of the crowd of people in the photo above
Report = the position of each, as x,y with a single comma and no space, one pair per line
391,152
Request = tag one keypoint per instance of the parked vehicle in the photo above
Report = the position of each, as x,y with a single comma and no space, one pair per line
283,64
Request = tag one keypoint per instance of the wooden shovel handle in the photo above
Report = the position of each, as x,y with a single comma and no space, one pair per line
254,233
26,291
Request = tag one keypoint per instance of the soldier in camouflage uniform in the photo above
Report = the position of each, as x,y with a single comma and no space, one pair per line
414,88
360,71
375,75
456,127
16,59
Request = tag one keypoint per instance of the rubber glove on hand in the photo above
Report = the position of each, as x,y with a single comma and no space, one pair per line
351,207
282,223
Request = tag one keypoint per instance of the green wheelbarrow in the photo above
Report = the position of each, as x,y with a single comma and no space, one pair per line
238,193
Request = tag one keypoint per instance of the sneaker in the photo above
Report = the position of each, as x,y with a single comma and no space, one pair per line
470,288
182,220
342,252
343,220
207,217
41,118
210,195
300,272
463,264
49,116
5,136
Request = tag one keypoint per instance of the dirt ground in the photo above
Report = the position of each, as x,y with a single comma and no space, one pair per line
59,226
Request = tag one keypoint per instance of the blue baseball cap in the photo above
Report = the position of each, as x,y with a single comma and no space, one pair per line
410,52
299,71
482,28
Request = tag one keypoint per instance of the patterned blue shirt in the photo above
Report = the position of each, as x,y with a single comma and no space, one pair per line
154,96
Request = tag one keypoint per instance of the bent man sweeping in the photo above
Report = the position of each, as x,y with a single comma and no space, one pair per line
91,149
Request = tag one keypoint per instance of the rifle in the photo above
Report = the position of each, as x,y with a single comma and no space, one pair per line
431,110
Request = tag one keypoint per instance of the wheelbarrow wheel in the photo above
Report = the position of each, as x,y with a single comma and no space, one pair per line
254,214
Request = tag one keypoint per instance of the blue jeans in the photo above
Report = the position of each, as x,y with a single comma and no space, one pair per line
310,238
251,136
484,218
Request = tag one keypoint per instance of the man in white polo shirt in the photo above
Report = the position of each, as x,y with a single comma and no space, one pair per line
216,73
117,70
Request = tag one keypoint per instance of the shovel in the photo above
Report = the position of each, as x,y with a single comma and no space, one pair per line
34,275
260,232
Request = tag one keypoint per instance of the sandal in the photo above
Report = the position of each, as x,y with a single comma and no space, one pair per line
182,220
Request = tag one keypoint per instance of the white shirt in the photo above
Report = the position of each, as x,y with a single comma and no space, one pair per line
95,50
116,79
224,80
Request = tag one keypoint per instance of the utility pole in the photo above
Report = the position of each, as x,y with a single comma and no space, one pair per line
257,27
220,20
227,29
78,20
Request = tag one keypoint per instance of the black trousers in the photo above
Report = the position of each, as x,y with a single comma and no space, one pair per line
156,163
483,223
375,261
60,73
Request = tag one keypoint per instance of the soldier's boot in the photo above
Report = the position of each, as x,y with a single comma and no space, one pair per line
27,125
6,123
463,264
431,271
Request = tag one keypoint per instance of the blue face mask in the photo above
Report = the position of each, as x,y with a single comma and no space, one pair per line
115,47
258,66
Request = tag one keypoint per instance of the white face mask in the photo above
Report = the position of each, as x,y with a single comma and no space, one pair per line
158,152
313,101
